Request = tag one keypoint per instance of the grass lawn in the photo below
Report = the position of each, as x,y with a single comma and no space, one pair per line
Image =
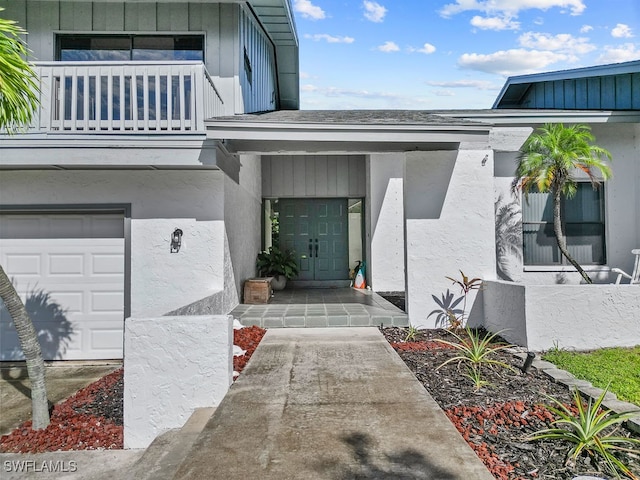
620,366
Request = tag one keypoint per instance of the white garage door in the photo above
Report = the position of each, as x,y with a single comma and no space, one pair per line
69,271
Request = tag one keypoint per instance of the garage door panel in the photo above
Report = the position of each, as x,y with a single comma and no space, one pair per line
106,339
107,301
73,301
56,226
72,284
64,264
107,264
18,264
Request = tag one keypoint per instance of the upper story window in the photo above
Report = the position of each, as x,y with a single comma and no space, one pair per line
583,217
130,47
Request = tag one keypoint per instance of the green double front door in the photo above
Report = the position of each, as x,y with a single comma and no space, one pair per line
317,230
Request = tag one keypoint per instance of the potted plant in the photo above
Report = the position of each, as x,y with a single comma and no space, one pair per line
281,265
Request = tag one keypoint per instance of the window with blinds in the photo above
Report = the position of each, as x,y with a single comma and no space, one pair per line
583,222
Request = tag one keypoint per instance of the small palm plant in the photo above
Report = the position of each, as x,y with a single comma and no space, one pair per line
587,432
476,351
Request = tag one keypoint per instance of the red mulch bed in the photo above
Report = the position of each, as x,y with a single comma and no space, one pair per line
246,338
496,419
91,419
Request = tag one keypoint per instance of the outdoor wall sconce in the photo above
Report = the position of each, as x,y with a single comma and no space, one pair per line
176,240
484,160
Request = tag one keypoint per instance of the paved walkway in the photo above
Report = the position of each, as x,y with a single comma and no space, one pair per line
329,403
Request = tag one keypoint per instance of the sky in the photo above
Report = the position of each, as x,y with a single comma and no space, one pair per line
449,54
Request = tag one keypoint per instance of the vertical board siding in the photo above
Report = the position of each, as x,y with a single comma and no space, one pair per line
108,17
635,91
172,17
258,87
622,85
569,94
593,92
76,16
15,11
322,176
609,92
42,19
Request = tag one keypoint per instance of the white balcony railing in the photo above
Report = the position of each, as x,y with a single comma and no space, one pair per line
132,97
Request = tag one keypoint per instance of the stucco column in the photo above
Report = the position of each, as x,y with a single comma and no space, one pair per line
449,226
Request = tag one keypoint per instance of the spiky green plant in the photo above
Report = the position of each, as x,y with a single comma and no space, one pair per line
591,431
411,333
475,351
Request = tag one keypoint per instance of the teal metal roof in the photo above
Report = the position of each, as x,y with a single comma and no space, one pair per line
603,87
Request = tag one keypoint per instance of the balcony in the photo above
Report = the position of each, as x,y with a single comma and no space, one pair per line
125,98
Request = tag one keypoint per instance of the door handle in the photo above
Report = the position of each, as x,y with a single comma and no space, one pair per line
310,248
316,248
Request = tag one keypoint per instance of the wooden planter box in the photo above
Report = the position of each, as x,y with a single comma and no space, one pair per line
257,290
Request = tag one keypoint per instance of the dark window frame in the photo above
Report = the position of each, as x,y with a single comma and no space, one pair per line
192,42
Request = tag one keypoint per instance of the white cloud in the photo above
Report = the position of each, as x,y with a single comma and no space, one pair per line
510,6
513,62
388,47
373,11
479,84
621,31
444,93
495,23
345,92
586,29
308,9
562,42
304,75
539,21
427,49
620,53
329,38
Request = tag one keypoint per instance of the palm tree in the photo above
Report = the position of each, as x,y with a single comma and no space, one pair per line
549,159
18,82
18,101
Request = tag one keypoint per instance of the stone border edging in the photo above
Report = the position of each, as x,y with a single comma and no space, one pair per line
586,388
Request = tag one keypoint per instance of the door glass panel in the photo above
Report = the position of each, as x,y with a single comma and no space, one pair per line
355,231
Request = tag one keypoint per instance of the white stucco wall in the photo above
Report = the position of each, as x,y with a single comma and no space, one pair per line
242,213
385,204
160,201
449,226
172,366
580,317
622,204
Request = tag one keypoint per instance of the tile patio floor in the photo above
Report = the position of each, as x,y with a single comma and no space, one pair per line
322,307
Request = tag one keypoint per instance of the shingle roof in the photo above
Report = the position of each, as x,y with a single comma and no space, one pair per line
350,117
